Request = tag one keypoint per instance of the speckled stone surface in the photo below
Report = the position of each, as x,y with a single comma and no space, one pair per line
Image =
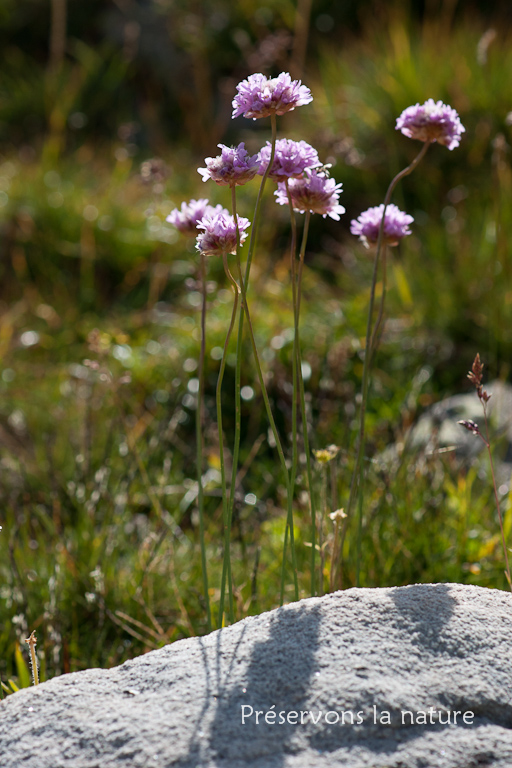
315,665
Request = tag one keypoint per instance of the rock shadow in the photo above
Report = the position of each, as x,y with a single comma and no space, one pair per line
275,676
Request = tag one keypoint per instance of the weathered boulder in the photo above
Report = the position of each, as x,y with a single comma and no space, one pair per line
419,653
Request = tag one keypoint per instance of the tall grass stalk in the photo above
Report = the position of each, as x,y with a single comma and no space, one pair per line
475,376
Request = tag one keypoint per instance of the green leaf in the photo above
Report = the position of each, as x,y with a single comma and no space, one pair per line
22,668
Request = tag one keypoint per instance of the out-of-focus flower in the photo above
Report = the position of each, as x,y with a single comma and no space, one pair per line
314,192
338,515
431,121
234,166
260,96
219,233
291,159
325,455
186,219
154,171
396,225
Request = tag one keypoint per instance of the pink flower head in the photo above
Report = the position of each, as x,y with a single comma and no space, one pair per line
186,219
314,192
234,166
219,235
396,225
261,96
291,159
432,121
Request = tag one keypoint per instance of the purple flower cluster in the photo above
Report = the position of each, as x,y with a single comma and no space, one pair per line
314,192
432,121
260,96
396,225
234,166
219,235
291,159
186,219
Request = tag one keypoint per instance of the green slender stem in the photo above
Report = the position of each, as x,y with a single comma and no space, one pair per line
302,401
226,566
375,335
358,473
293,474
199,441
239,341
334,507
323,504
270,415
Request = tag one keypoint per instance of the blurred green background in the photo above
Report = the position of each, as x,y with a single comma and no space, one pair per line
107,108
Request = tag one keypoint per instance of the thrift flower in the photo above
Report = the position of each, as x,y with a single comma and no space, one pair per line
186,219
219,235
314,192
291,159
396,225
260,96
234,166
432,121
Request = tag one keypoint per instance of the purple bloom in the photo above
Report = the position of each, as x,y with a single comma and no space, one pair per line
396,225
233,166
314,192
291,159
260,96
431,122
186,219
219,234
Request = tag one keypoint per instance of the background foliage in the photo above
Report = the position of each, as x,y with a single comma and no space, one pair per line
99,544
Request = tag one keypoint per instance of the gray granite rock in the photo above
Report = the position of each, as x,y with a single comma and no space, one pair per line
400,650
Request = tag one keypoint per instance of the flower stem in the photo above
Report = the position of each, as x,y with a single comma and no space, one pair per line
358,472
199,441
239,341
375,335
270,415
226,566
293,474
302,401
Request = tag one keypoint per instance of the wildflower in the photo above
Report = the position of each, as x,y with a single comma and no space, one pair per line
324,455
432,121
338,515
291,159
219,235
260,96
233,166
314,192
186,219
396,225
